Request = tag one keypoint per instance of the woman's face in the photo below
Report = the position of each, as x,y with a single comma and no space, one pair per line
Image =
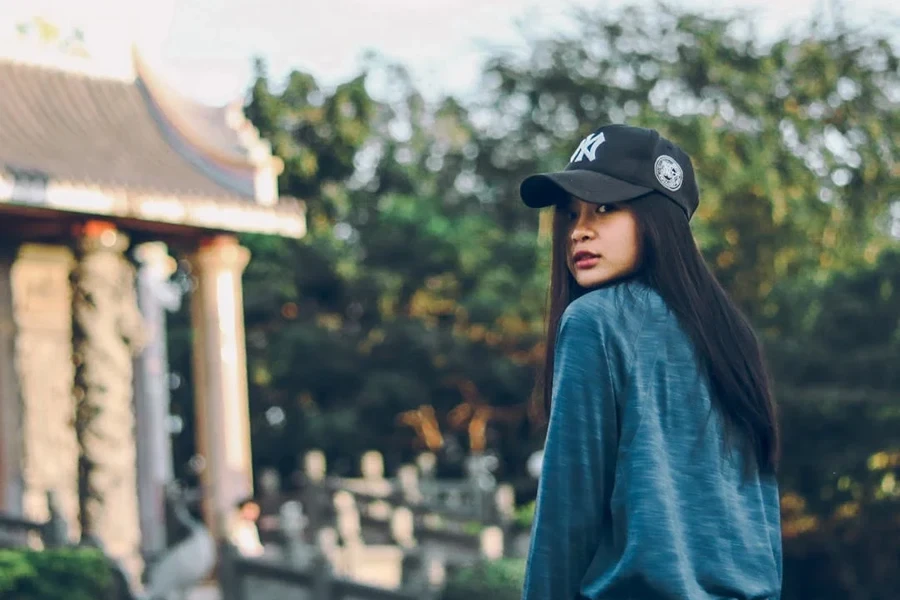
602,242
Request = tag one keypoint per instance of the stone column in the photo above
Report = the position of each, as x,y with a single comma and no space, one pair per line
11,484
42,310
220,377
108,330
156,295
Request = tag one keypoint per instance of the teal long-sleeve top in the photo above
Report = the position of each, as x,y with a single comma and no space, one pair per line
639,499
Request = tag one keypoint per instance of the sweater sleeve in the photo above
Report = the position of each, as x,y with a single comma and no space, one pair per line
579,460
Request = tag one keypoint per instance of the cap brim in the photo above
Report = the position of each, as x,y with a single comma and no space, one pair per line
547,189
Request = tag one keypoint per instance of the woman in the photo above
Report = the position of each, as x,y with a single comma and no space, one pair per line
658,478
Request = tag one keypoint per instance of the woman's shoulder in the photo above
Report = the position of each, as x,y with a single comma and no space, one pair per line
615,301
615,312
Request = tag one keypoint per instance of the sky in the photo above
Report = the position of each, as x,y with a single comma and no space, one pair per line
205,48
443,42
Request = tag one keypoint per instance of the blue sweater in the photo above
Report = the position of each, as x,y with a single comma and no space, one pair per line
639,499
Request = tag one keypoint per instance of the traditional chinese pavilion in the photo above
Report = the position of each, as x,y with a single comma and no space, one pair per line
103,179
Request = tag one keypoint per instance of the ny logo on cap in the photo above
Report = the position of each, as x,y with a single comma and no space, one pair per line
588,147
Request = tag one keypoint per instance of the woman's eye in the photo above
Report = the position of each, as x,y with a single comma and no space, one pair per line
573,216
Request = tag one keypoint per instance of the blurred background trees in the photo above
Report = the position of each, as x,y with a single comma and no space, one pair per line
410,317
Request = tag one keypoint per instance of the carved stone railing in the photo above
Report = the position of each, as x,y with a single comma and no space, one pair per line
452,505
373,536
16,532
262,578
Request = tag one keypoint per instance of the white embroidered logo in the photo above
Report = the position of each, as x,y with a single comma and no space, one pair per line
588,147
669,173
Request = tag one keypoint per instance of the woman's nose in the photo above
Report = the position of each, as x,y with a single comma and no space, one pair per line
580,234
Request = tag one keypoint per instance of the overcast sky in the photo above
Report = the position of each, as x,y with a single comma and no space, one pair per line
206,47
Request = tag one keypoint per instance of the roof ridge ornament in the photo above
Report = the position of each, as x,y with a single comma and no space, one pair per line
242,147
41,41
40,31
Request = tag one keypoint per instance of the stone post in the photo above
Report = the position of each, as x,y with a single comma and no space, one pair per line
293,524
220,377
403,525
491,543
313,493
156,295
315,466
408,484
11,485
107,332
427,463
505,504
372,466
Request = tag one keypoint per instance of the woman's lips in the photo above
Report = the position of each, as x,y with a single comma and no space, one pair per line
584,259
587,262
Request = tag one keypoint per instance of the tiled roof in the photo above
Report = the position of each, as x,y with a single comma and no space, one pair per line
67,127
214,128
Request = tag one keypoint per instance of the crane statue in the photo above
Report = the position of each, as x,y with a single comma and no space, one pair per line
185,564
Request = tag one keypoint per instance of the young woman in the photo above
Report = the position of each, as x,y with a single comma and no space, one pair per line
658,477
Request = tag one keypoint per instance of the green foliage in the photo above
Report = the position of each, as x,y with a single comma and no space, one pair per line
403,294
842,448
854,558
494,580
473,527
524,516
855,309
70,573
836,369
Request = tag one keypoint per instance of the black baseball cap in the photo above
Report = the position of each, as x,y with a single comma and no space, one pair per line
617,163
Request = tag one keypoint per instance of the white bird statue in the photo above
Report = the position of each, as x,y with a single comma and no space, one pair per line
185,564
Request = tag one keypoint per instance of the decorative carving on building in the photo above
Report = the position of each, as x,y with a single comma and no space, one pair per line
108,331
42,302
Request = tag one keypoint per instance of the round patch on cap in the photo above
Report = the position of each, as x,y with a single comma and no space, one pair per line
669,173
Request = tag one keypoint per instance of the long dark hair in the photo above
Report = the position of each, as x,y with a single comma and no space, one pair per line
724,341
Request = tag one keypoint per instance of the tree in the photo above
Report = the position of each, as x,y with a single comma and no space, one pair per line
791,142
387,326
